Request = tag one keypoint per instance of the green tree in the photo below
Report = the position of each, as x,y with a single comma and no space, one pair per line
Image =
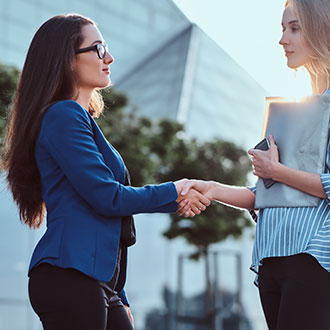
129,134
8,81
220,161
159,151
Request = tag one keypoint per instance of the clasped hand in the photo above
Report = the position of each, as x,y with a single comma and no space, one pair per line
193,197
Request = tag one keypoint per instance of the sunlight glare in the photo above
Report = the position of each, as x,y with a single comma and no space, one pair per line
298,84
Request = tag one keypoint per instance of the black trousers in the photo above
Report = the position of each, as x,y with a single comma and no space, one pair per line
295,293
66,299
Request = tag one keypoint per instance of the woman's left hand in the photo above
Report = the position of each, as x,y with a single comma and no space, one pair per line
130,316
264,162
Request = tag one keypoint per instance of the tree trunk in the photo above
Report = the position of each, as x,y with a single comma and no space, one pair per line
208,310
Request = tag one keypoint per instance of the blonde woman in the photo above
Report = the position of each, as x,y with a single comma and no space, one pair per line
292,247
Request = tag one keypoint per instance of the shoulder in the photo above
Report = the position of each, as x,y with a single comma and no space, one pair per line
66,108
65,115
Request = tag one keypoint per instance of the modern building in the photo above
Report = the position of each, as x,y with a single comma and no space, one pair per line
193,317
189,78
169,68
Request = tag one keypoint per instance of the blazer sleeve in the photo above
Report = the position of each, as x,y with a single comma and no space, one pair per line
67,134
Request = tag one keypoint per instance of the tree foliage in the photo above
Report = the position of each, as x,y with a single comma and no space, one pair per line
8,81
158,151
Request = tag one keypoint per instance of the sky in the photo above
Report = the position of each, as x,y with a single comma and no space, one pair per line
249,31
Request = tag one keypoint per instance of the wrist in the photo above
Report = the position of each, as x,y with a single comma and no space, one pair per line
213,188
277,171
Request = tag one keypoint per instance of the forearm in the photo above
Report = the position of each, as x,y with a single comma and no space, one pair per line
240,197
304,181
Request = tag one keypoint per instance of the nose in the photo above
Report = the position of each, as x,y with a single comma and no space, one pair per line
283,41
108,59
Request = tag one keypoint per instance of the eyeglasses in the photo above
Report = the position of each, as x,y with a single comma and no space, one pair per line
101,50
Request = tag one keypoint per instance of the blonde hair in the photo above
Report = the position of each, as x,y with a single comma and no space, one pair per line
314,19
96,104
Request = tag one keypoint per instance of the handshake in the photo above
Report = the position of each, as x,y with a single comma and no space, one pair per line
193,196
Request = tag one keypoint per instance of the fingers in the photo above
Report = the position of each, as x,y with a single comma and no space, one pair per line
203,201
193,204
199,185
196,209
271,139
191,200
186,187
189,214
198,200
187,209
252,152
183,207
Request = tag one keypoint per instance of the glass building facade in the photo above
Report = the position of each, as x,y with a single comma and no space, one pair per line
192,80
131,28
168,67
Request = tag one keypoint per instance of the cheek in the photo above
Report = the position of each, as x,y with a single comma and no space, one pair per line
306,50
88,71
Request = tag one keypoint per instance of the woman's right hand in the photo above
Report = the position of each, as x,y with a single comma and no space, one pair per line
204,187
240,197
192,197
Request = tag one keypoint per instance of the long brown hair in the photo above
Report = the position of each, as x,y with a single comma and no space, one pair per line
47,77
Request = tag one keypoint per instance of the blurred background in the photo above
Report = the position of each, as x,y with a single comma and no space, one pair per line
190,79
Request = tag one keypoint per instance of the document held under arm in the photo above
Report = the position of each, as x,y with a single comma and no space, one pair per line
301,131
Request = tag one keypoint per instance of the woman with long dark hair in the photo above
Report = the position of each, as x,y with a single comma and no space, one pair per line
57,160
292,246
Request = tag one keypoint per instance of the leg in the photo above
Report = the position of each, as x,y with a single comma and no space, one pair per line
305,303
118,319
67,299
270,293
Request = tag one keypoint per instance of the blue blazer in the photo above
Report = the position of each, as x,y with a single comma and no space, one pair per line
82,178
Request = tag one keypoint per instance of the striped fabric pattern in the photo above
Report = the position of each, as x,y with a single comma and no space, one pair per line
287,231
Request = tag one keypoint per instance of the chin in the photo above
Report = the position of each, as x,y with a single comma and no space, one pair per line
104,84
292,64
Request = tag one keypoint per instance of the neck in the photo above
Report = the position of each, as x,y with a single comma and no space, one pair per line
319,83
84,98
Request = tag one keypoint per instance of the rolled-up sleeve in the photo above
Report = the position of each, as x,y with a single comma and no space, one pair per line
253,189
325,179
253,212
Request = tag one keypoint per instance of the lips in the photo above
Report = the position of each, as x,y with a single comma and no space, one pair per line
288,53
107,71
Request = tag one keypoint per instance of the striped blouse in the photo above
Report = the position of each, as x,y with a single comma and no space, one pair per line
285,231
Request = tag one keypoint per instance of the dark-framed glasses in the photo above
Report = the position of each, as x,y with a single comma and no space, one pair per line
101,50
